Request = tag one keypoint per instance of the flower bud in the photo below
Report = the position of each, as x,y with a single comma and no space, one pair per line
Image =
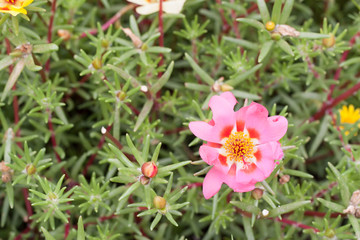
121,95
265,213
257,193
270,26
6,177
3,167
149,169
329,42
96,63
64,34
144,180
105,43
52,196
30,169
284,179
330,233
226,87
144,47
275,36
159,202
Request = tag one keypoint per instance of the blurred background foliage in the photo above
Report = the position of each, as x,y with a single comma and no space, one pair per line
66,73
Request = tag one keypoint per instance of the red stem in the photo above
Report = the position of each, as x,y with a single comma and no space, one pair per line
323,191
332,103
17,134
112,20
54,145
74,89
92,157
50,29
296,224
342,59
322,214
345,146
235,23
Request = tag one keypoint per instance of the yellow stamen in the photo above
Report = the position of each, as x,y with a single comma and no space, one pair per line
239,147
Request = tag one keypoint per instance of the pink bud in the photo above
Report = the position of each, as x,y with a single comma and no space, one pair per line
149,169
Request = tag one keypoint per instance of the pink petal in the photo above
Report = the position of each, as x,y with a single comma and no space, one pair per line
223,112
212,182
277,127
270,152
256,119
238,186
228,96
209,154
240,118
204,131
246,176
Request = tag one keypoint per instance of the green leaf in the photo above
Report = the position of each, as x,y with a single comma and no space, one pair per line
332,206
297,173
5,62
144,113
81,232
265,49
239,78
264,12
13,77
164,78
320,135
134,150
286,11
126,76
248,207
252,22
344,189
47,234
311,35
355,224
129,191
350,61
285,47
276,11
203,75
198,87
10,194
15,24
164,171
171,219
287,208
44,48
155,221
248,229
242,42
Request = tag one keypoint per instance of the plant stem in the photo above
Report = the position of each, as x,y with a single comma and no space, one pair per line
116,129
332,103
111,21
296,224
50,29
54,144
92,157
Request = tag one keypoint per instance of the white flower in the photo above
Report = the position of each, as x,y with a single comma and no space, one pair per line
151,6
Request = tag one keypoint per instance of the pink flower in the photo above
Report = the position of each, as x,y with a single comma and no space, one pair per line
241,146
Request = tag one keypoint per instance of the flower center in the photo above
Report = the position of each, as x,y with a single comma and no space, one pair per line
239,147
11,1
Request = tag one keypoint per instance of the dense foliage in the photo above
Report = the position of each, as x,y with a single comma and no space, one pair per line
96,101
